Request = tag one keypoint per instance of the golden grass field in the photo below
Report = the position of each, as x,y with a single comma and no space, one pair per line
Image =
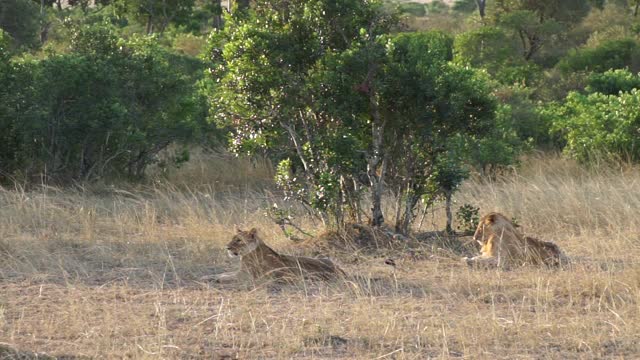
108,273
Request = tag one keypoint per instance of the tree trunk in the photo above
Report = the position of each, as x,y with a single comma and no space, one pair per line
408,190
45,25
427,205
635,10
149,27
350,194
243,4
377,188
411,199
217,17
447,208
377,161
338,211
398,208
481,7
44,32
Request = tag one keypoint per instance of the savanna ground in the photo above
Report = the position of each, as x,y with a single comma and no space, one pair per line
111,273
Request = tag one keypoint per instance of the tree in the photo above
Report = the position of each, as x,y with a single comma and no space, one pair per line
487,47
481,8
155,14
8,149
427,101
468,6
20,19
268,62
538,22
106,108
348,107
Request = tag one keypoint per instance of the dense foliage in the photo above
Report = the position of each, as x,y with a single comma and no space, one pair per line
599,126
358,109
353,100
107,106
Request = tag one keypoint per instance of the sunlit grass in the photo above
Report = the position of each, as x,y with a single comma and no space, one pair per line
115,273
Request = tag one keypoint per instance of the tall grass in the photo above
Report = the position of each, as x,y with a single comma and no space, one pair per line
556,198
115,273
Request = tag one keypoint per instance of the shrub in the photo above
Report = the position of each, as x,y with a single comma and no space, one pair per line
20,19
412,8
492,49
106,108
614,54
487,47
612,82
464,6
437,7
597,125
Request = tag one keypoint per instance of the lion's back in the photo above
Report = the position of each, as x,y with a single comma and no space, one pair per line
324,268
266,262
549,252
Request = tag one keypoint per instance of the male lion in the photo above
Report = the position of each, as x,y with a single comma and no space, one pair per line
260,261
502,245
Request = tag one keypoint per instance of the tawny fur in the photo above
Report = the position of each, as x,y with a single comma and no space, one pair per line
502,245
261,262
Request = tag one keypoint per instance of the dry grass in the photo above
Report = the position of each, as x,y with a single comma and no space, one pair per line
115,274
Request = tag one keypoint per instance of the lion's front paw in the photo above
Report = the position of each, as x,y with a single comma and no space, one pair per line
223,278
210,278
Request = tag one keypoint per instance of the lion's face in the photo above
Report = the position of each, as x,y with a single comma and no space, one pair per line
243,243
479,235
488,226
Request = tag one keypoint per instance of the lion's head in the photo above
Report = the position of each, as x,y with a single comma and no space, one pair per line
243,243
492,223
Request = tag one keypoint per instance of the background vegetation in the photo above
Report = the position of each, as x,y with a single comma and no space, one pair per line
351,100
135,133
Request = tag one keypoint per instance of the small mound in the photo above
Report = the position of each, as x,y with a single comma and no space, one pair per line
7,352
358,238
452,245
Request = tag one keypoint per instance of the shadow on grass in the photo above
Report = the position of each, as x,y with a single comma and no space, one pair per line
174,263
8,353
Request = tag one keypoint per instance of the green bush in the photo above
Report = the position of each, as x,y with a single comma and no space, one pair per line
496,150
20,19
437,7
468,217
492,49
487,47
598,125
522,115
520,73
412,8
106,108
613,54
464,6
613,81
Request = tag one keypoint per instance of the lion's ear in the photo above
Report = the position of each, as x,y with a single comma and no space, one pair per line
491,218
253,232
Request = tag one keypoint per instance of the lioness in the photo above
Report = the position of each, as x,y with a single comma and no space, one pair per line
260,261
502,245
